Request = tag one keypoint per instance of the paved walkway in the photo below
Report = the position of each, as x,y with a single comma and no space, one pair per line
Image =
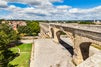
93,61
49,54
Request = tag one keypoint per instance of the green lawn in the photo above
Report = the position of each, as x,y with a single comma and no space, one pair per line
25,53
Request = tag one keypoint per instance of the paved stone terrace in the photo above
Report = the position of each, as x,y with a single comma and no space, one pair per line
49,54
93,61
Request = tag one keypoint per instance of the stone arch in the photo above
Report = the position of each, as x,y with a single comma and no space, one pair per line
84,47
52,32
58,33
63,43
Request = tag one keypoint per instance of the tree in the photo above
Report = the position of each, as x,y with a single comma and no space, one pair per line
32,28
7,35
86,22
23,29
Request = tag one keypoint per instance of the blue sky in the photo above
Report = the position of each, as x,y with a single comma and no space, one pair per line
80,3
50,9
18,4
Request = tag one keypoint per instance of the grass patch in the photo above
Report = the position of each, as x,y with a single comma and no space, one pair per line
25,52
74,62
96,46
25,47
15,49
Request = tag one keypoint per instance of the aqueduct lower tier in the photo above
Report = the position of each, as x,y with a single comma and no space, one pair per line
81,38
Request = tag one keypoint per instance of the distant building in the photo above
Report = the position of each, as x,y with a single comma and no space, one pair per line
14,23
97,22
3,21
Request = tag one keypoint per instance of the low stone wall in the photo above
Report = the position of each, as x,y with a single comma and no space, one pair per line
26,41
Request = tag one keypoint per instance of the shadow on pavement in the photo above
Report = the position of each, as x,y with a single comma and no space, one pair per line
67,46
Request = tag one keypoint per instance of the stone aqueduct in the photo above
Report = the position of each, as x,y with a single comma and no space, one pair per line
82,37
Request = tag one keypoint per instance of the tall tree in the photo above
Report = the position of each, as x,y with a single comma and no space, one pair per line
7,35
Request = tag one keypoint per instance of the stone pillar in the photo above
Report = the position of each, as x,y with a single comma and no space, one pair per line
51,32
56,35
77,57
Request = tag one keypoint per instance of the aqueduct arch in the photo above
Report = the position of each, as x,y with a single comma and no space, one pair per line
80,48
84,47
81,38
57,34
52,32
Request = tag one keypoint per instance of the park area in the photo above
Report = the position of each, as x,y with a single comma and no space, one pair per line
23,60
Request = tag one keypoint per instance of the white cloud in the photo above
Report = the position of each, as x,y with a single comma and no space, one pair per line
3,4
90,10
91,13
63,7
35,2
44,9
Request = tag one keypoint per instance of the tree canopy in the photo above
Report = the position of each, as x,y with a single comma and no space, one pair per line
32,28
7,35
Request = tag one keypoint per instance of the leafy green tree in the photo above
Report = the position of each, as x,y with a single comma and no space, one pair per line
7,35
32,28
23,29
4,40
85,22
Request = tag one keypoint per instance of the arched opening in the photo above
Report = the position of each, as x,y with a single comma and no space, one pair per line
63,40
52,32
84,47
58,35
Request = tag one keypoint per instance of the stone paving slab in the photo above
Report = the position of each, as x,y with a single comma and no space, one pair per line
49,54
93,61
